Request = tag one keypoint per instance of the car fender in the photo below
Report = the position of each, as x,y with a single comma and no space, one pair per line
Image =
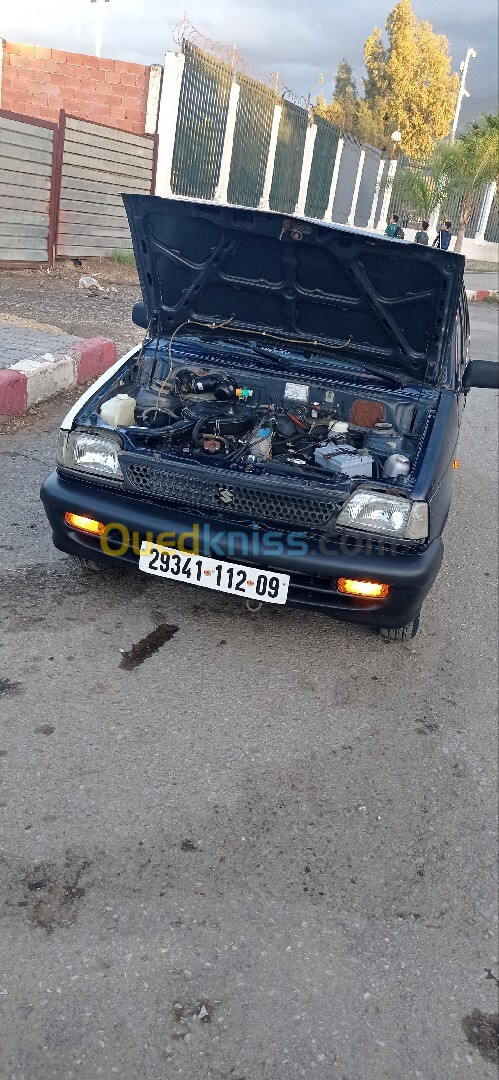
108,376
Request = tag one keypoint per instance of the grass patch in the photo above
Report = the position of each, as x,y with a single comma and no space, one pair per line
122,258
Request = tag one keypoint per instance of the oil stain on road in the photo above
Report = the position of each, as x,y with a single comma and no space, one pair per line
147,646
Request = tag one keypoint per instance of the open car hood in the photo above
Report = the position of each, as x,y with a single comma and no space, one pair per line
294,282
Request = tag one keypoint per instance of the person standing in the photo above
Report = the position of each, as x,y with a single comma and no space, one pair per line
421,236
443,237
393,229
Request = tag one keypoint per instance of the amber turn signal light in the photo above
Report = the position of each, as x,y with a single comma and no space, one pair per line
84,524
373,590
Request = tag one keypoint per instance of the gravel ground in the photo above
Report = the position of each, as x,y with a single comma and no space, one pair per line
53,297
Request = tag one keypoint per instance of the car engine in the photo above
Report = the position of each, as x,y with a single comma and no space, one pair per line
254,420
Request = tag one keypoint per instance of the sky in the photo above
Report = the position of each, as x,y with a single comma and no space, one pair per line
299,40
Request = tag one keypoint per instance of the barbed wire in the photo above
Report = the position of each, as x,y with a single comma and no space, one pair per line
185,31
270,79
296,99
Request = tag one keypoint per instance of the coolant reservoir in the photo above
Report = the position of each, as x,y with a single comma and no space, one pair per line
118,411
383,440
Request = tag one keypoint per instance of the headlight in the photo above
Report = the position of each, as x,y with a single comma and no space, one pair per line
385,515
89,453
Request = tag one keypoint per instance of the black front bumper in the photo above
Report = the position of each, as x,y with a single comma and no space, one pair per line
313,573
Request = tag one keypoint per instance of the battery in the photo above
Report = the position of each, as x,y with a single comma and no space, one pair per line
344,459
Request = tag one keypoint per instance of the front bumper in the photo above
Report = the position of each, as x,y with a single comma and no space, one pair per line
314,567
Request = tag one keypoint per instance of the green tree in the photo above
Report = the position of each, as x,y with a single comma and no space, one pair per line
344,83
421,190
409,84
470,162
342,110
345,95
460,168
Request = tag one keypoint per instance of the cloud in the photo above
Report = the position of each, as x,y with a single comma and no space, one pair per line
300,41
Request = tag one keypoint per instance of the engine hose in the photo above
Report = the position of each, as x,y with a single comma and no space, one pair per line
181,427
283,441
197,432
235,426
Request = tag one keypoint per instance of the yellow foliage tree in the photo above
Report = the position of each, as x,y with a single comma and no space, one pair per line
332,112
409,82
370,127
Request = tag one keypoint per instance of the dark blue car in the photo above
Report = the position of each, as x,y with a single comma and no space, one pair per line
286,432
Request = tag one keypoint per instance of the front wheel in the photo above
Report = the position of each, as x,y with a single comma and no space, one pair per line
400,633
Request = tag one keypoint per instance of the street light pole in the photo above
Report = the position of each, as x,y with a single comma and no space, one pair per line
463,67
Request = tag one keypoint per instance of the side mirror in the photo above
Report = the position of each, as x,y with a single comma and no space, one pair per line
139,314
482,373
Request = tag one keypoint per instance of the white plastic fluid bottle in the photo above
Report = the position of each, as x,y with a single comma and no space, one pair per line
118,411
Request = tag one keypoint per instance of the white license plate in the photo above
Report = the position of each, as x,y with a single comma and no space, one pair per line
244,581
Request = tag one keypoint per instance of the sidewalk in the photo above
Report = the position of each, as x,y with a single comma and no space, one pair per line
476,282
19,343
37,362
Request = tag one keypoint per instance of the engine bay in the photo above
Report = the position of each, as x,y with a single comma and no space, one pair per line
252,417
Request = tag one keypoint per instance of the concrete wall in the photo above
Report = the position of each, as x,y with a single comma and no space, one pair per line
472,249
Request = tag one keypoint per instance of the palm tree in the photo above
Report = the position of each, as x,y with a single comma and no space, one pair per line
459,168
422,189
470,162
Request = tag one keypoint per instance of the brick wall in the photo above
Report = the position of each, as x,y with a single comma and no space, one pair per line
38,82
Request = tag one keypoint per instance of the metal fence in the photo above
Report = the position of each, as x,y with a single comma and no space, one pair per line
61,187
231,137
27,162
321,172
492,230
368,186
98,165
199,144
255,114
201,122
288,158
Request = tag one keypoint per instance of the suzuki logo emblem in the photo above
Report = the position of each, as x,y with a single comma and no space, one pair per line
226,495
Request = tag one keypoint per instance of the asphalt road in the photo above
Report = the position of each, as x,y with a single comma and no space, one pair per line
268,851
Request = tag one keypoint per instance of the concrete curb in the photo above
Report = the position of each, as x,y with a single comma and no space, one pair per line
482,294
30,381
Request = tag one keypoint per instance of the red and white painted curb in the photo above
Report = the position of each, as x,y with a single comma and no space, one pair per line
30,381
482,294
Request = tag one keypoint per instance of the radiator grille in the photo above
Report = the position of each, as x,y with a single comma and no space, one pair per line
236,498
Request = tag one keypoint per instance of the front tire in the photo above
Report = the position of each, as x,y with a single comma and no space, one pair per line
400,633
